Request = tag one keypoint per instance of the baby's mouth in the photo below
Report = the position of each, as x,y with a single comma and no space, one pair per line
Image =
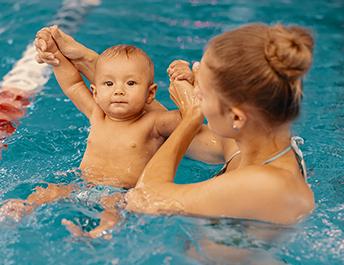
119,102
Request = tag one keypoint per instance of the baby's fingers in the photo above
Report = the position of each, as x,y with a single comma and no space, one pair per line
195,67
38,59
178,62
42,40
43,34
43,30
40,45
170,71
47,57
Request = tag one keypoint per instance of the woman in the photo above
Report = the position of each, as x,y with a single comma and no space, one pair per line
248,86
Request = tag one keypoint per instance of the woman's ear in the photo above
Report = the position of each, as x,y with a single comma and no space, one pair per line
94,92
151,93
239,118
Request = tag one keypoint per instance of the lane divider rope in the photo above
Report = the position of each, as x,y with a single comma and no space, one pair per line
27,77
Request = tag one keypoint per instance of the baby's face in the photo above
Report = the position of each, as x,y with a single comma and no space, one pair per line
122,86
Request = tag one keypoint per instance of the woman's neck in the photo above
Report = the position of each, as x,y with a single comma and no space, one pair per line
260,144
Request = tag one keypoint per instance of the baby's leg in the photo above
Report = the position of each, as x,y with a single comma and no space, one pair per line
108,219
17,208
49,194
14,209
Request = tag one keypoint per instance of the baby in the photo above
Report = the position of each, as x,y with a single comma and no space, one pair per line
123,135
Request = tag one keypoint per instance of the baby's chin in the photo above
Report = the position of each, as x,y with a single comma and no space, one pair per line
124,115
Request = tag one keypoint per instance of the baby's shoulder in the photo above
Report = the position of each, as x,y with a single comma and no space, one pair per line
153,115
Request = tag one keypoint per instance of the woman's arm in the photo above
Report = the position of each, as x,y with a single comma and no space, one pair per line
256,192
69,77
83,58
206,145
211,148
161,168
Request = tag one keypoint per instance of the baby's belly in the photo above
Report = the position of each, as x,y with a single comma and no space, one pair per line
121,171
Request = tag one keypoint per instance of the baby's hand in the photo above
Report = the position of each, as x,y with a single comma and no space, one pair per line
45,44
15,209
180,70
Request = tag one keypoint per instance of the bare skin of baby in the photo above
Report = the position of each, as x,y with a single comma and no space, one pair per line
123,135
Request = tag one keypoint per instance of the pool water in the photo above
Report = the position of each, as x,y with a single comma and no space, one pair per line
51,138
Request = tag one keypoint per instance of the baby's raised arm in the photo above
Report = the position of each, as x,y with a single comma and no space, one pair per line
166,122
70,79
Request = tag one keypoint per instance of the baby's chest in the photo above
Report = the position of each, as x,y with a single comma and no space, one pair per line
120,140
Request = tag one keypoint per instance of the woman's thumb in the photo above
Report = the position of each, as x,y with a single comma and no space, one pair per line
56,34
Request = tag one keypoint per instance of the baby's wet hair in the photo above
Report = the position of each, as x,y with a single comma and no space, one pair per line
130,51
263,66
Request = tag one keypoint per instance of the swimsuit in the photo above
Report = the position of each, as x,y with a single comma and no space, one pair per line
294,142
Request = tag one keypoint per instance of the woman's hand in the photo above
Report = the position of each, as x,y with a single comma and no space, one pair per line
69,47
185,96
45,47
180,70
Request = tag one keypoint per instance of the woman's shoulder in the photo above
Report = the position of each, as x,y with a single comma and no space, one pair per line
268,193
277,179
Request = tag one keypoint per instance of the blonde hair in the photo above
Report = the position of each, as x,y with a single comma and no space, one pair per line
129,51
261,66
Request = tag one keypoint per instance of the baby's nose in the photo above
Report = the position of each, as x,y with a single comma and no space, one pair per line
119,92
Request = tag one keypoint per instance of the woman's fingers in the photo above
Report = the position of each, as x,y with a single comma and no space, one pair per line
186,76
173,95
174,75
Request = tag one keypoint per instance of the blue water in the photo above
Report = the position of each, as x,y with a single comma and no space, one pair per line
50,140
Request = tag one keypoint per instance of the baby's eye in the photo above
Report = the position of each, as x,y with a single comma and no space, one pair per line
108,83
131,83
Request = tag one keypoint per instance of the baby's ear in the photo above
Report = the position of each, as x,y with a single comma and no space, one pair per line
94,91
151,93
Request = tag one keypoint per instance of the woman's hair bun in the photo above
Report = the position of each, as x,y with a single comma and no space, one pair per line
288,51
